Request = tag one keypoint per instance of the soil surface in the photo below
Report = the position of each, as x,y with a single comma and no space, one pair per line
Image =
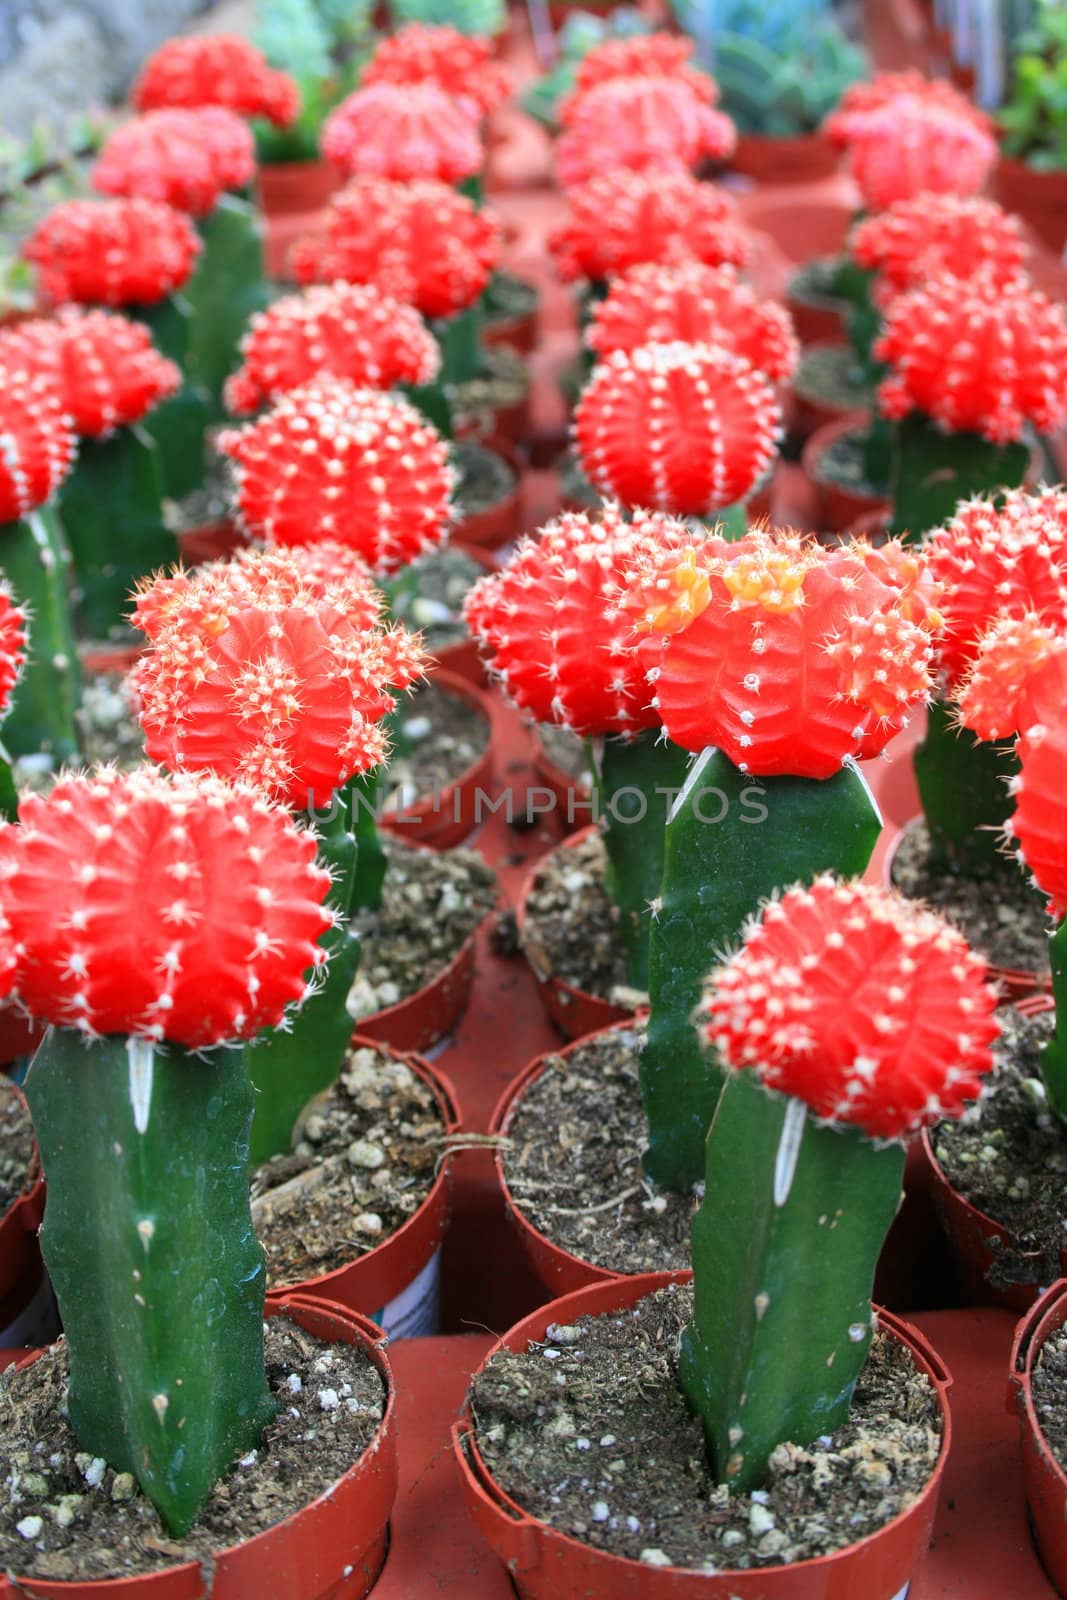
574,487
65,1515
566,751
107,728
485,479
433,899
1050,1393
590,1432
828,373
1008,1155
571,927
1003,917
214,501
573,1162
430,593
814,283
16,1145
507,298
505,383
841,464
436,737
364,1159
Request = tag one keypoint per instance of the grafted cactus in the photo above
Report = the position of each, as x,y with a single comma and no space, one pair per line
929,236
12,658
216,69
460,64
645,123
144,1137
34,560
404,131
865,1017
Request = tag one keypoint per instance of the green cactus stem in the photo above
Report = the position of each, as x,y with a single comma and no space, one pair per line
638,780
731,841
965,796
288,1066
934,470
460,338
226,288
371,860
179,425
148,1240
9,799
36,562
111,505
791,1211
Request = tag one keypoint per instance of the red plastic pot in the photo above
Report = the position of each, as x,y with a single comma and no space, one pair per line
395,1284
516,333
288,187
109,658
331,1549
463,659
804,159
807,413
559,1270
545,1564
432,1012
19,1035
569,796
1040,198
574,1011
443,820
214,541
1044,1479
839,506
21,1269
497,524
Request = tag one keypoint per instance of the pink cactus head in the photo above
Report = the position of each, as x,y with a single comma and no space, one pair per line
936,235
272,672
186,158
863,1005
551,629
420,242
337,463
12,646
998,561
404,131
646,55
622,219
216,69
645,124
38,442
689,302
976,356
788,656
995,696
685,428
348,330
461,66
112,252
105,367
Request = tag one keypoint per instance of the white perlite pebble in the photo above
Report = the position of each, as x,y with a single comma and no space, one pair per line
655,1558
295,1382
362,1153
30,1527
760,1520
328,1399
600,1512
94,1472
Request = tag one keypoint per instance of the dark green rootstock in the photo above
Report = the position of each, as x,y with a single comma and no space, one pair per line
963,789
148,1239
36,563
178,426
731,842
782,1284
226,288
934,470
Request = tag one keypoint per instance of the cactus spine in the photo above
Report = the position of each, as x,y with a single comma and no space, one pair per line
35,561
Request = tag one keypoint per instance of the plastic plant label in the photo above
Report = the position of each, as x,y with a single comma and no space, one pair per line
415,1312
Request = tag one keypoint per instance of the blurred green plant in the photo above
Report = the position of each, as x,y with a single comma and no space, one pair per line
1034,117
35,175
323,44
581,32
484,18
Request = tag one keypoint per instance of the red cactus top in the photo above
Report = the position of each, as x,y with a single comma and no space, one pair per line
112,252
914,145
460,65
333,462
104,366
263,671
419,242
685,428
690,302
934,235
551,628
644,124
12,645
348,330
404,131
866,1007
216,69
186,158
38,442
189,908
622,219
998,561
646,55
866,98
788,656
977,356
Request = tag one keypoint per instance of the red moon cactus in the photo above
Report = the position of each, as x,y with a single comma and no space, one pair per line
622,219
38,442
12,645
934,235
216,69
186,158
404,131
112,252
645,124
459,65
105,367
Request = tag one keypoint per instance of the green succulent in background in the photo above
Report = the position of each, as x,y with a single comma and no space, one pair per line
486,18
35,175
1034,119
322,44
581,32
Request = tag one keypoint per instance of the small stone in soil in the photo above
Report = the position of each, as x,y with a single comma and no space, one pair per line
571,927
436,738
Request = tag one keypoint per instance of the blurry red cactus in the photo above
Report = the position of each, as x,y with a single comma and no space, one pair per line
935,235
336,463
106,369
404,131
623,219
12,647
977,356
347,330
865,1006
788,656
181,908
645,55
866,98
112,252
690,302
420,242
915,144
685,428
216,69
186,158
460,65
643,124
995,696
38,442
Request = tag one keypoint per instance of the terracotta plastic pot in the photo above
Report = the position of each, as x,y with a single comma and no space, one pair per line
443,820
109,658
766,160
570,798
432,1012
497,524
838,506
1043,1478
396,1283
286,187
518,333
545,1564
559,1270
332,1549
574,1011
25,1300
1040,198
19,1036
463,659
215,541
809,412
